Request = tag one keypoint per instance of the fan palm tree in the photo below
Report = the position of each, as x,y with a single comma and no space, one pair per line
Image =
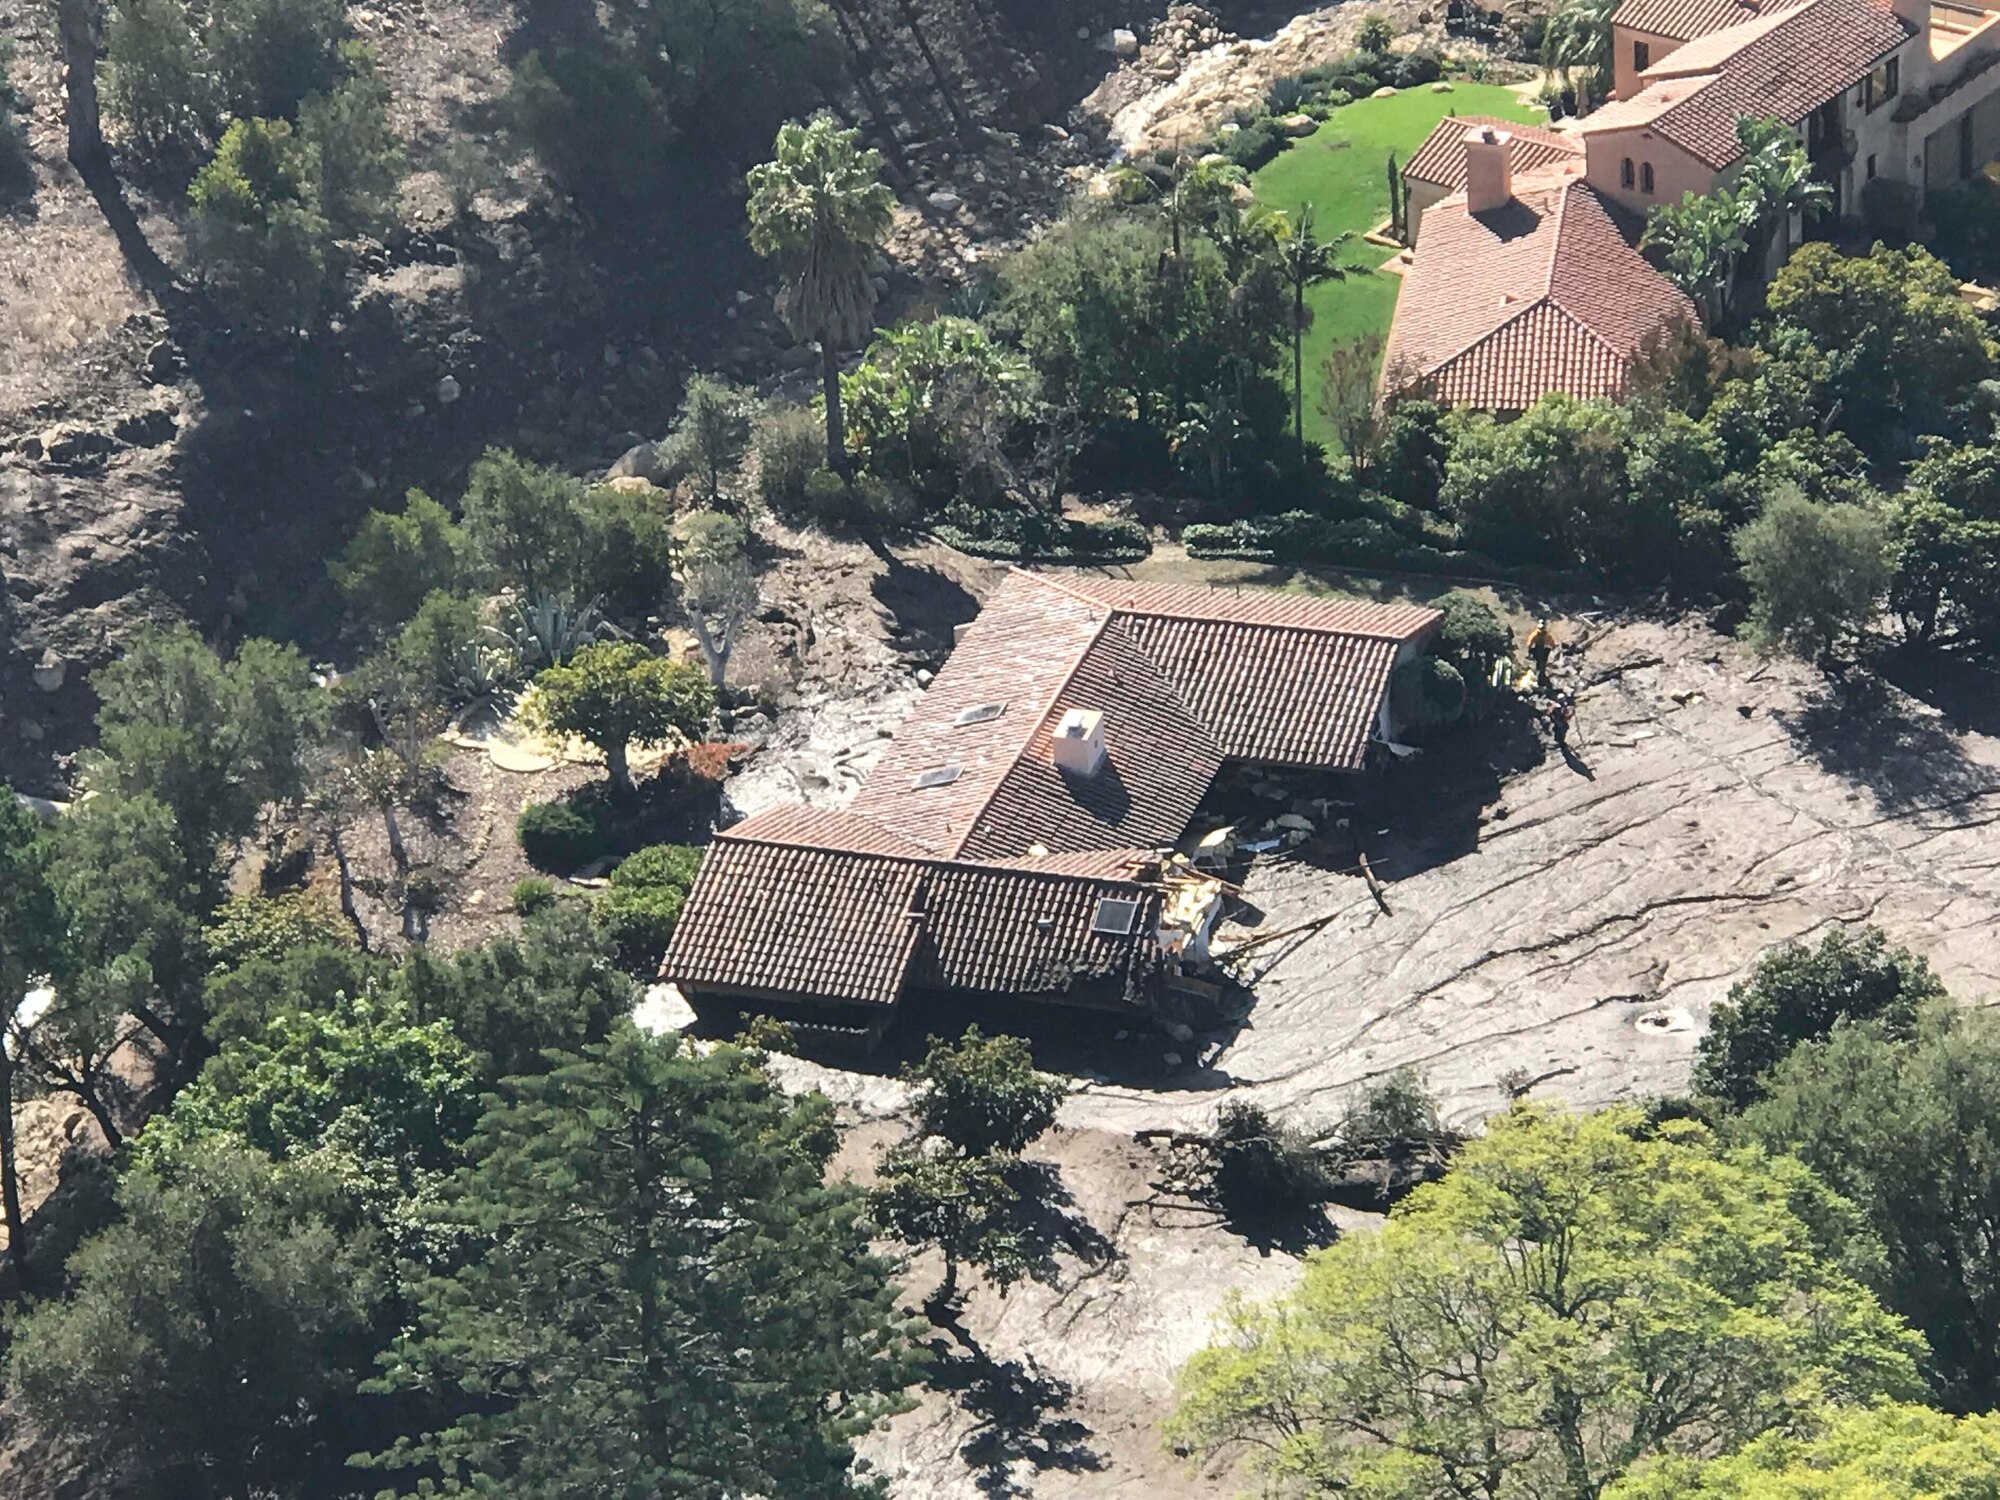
1577,41
820,208
1305,262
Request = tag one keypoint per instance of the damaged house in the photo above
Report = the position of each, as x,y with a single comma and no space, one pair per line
1016,837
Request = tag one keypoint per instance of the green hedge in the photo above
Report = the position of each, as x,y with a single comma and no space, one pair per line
1354,541
1007,536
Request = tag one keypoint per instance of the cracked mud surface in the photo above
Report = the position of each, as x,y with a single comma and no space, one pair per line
1563,927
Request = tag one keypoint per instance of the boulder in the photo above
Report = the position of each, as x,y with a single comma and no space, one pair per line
1119,42
641,461
448,390
1442,86
49,672
69,441
1384,92
632,484
1301,125
148,427
945,201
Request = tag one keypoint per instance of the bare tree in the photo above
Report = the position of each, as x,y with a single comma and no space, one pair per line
1348,398
716,585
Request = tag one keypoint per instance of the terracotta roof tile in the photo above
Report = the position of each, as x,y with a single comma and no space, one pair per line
1019,932
1441,158
1544,294
822,828
1784,66
1253,606
1291,697
796,920
1683,19
1159,760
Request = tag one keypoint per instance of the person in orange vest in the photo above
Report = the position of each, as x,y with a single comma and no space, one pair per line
1540,646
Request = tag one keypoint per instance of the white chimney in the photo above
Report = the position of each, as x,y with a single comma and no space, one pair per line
1078,742
1489,176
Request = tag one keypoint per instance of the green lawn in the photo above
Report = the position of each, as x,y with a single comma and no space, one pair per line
1342,170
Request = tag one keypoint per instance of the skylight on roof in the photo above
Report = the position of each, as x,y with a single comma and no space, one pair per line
1116,917
937,776
985,713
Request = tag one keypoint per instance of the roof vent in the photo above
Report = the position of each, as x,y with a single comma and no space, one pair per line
1116,917
985,713
937,776
1078,742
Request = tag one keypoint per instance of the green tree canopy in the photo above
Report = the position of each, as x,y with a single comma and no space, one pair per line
211,742
616,694
523,522
395,559
671,1298
214,1336
1909,1129
1905,1452
1817,573
982,1094
1576,1295
1797,994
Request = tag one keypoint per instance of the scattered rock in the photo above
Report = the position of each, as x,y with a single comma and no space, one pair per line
163,363
49,672
641,461
1055,132
1180,1031
1384,92
1301,125
1119,42
69,442
146,428
1171,1059
945,201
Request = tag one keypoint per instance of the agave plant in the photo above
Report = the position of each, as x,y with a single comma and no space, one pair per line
546,630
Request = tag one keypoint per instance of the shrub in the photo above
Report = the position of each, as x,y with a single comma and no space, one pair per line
1472,637
258,235
1427,693
448,647
525,523
395,561
354,153
1255,144
627,546
867,502
710,434
637,913
1374,35
268,56
767,1033
1261,1172
1025,536
790,444
158,81
1816,573
1415,69
563,836
595,120
532,895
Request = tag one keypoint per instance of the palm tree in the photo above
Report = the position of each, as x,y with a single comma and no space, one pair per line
1776,181
1305,262
820,209
1577,39
1699,241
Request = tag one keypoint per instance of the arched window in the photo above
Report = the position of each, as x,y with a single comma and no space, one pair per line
1645,177
1625,174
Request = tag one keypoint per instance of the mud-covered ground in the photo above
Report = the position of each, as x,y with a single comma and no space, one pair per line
1556,927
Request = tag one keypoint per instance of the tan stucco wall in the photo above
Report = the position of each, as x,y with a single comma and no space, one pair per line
1625,77
1419,196
1674,171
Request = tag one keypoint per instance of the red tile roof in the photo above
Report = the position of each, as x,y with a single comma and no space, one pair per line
779,920
1784,66
943,887
1253,606
1684,19
1544,294
1441,158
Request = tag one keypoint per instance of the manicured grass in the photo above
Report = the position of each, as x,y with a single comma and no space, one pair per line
1342,170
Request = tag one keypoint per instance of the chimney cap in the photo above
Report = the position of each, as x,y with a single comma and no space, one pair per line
1487,135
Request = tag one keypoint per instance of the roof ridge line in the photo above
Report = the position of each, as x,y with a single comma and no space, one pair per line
1062,686
939,861
1302,626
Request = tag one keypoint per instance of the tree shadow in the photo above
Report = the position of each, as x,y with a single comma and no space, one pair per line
921,606
1019,1410
1863,730
1047,1217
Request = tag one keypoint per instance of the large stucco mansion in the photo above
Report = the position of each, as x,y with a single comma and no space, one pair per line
1525,278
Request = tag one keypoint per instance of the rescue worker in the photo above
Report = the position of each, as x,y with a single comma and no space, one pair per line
1541,645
